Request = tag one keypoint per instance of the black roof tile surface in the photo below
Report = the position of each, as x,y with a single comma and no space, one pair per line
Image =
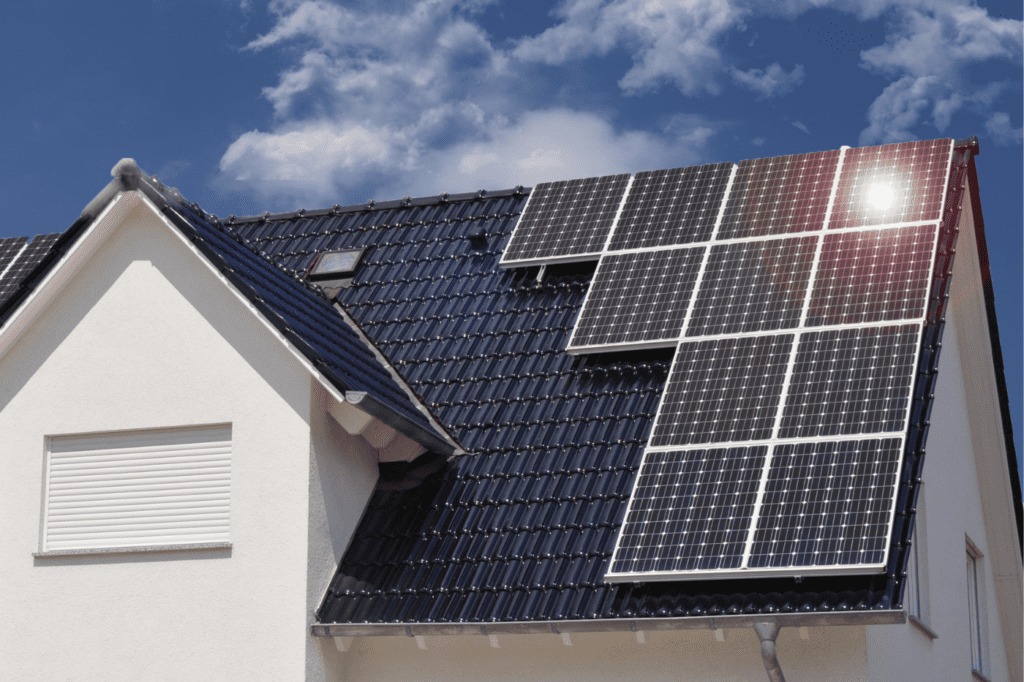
523,527
302,312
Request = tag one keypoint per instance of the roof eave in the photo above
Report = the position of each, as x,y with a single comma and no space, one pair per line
811,619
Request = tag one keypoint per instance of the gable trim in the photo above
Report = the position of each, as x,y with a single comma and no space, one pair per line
96,234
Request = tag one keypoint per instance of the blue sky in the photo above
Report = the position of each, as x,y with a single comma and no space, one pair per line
248,107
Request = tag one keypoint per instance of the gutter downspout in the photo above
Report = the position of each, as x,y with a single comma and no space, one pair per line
767,632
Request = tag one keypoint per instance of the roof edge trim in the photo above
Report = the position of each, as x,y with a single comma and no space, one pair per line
997,350
879,617
445,441
294,343
337,209
371,406
49,277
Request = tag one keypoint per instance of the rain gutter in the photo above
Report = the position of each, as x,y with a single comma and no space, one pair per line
796,620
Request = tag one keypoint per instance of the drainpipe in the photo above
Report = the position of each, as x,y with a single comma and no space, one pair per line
767,632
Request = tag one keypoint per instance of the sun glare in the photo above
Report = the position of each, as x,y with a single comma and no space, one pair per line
880,196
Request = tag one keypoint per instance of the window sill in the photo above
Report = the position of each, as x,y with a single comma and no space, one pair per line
132,550
923,627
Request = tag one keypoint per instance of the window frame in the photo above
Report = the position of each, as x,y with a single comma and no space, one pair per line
105,444
976,610
916,597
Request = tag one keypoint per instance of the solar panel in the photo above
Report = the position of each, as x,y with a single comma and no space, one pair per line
670,207
722,390
638,297
872,276
838,247
691,510
24,262
753,286
566,220
779,195
827,504
893,183
849,381
10,248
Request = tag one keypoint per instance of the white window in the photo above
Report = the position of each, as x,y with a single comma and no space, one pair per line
976,610
914,597
138,490
916,591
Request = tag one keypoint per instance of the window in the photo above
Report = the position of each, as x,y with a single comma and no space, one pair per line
915,596
976,610
138,490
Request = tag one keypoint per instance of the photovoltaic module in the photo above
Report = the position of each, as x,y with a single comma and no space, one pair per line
797,308
671,207
566,220
18,257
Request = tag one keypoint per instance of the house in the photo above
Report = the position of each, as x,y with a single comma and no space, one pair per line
720,422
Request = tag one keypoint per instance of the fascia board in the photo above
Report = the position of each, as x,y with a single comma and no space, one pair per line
981,369
89,243
80,252
295,352
366,403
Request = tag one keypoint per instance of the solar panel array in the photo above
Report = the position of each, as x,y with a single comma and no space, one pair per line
794,290
18,257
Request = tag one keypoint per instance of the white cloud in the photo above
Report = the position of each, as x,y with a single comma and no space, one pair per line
800,126
770,82
670,41
551,145
413,96
929,56
320,162
416,99
1002,132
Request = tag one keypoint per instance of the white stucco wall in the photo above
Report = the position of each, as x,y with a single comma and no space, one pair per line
145,335
953,502
342,475
828,655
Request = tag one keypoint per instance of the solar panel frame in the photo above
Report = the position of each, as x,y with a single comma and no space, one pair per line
877,184
687,201
747,214
748,296
846,358
625,287
712,370
780,501
25,261
541,236
730,482
858,291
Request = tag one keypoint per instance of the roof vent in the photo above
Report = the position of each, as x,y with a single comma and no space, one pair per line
478,241
333,271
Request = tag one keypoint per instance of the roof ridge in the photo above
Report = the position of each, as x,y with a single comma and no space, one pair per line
372,205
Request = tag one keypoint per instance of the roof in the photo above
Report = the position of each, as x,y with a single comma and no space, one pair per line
523,527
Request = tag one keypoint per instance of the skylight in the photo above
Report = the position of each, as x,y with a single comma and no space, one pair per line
335,264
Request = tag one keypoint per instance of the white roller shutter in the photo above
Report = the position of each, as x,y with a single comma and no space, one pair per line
138,488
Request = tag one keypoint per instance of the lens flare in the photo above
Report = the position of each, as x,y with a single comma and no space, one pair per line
881,196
